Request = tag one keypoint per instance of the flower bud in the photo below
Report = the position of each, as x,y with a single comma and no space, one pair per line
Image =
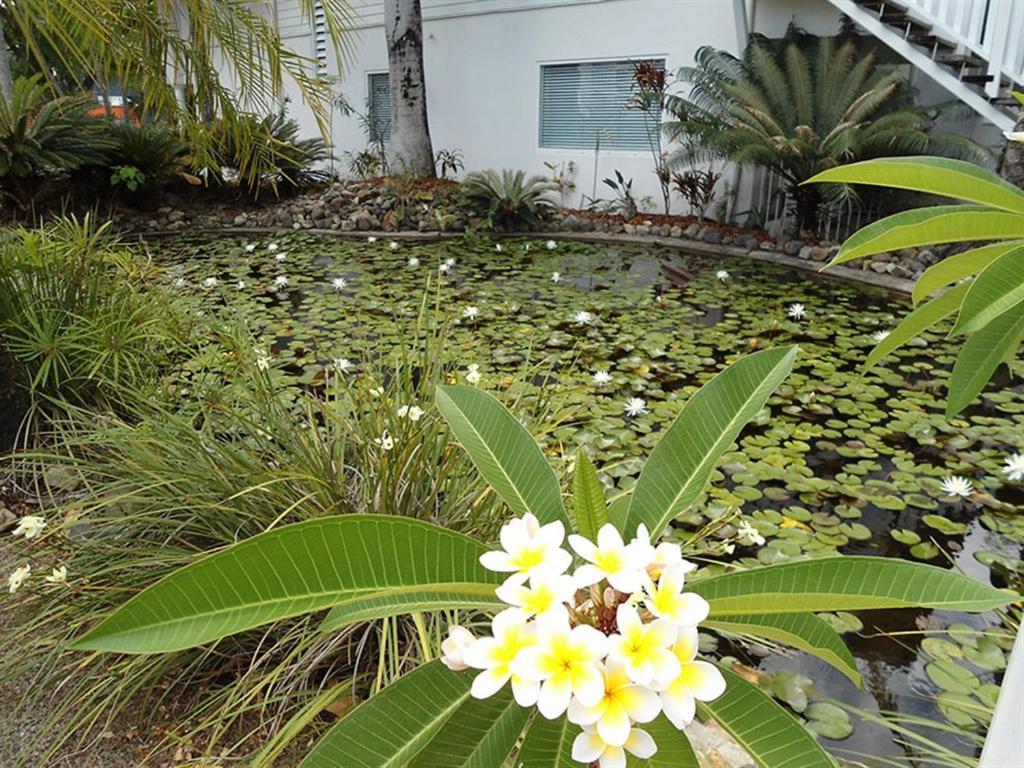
458,640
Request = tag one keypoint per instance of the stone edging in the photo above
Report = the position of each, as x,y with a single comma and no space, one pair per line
895,284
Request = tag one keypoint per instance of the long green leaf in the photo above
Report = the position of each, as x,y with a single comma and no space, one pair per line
390,728
932,175
998,289
674,750
480,734
769,734
930,226
293,570
503,451
844,584
804,631
980,356
589,509
392,602
548,744
678,468
959,266
921,319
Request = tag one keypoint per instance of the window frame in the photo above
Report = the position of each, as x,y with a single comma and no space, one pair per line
370,74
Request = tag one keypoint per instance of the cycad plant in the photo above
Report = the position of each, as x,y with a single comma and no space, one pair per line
511,200
800,107
575,651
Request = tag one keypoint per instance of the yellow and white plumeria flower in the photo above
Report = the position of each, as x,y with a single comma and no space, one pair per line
666,599
453,648
529,548
544,599
589,747
623,704
496,655
644,649
667,554
621,565
565,662
697,681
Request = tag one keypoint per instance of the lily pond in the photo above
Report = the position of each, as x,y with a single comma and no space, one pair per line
841,459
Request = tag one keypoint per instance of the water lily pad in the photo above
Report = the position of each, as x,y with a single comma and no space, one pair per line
951,677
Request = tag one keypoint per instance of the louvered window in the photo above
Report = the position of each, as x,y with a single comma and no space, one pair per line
579,101
320,37
378,106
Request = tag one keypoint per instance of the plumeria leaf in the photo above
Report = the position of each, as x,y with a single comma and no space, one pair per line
390,728
960,266
503,451
674,750
917,322
548,744
931,175
981,355
588,505
679,467
845,583
769,734
480,734
804,631
998,289
373,564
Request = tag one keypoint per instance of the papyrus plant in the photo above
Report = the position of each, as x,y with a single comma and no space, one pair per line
365,567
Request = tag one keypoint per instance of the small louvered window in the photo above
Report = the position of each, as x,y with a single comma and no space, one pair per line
379,106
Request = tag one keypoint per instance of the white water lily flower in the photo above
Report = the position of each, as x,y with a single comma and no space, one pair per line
17,577
722,275
240,285
377,391
210,282
411,412
526,248
796,311
499,247
30,526
881,335
413,261
1014,467
281,257
583,317
371,239
556,277
272,247
748,535
666,599
473,373
621,565
453,647
697,681
601,378
58,575
635,406
666,555
262,360
551,245
180,282
385,442
342,364
339,284
470,312
590,748
497,657
250,247
393,245
623,704
955,485
281,281
644,650
449,262
529,548
443,268
565,662
544,598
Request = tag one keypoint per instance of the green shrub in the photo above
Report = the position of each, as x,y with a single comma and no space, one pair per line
509,200
155,149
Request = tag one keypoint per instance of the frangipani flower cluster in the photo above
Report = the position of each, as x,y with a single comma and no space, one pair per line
610,646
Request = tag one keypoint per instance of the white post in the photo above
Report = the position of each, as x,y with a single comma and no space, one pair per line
1004,745
999,28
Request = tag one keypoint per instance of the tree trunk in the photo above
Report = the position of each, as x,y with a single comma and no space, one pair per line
6,84
1011,167
409,150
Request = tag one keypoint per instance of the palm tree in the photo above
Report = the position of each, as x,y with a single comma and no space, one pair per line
801,107
410,149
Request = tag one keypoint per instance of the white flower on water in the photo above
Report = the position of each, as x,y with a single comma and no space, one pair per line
17,577
30,526
411,412
722,275
180,282
470,312
371,239
796,311
556,277
281,257
881,335
413,261
748,535
499,247
583,317
210,282
589,747
240,285
529,548
635,406
611,559
272,247
453,648
250,247
526,248
281,281
1014,467
342,364
551,245
697,681
601,378
58,575
393,245
339,284
957,486
385,442
443,268
473,373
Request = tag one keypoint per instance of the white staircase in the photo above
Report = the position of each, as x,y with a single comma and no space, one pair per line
972,48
